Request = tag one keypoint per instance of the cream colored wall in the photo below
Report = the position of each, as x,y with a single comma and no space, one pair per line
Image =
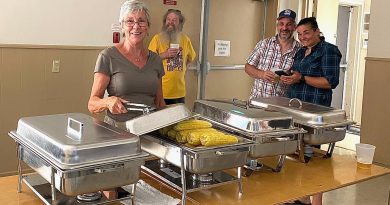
376,111
56,22
378,30
29,88
327,21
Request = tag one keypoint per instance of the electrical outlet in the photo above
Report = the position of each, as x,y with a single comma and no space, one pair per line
56,66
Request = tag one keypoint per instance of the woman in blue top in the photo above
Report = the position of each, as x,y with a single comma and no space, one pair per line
315,73
316,66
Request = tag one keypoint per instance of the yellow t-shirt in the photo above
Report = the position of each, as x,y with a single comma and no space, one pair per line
175,68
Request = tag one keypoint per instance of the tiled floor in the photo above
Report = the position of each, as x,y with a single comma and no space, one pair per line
373,192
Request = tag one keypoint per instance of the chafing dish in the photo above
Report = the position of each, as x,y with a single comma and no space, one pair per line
273,132
186,169
323,124
77,155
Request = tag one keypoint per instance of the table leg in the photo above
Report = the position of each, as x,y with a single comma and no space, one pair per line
280,164
53,187
19,156
240,190
183,179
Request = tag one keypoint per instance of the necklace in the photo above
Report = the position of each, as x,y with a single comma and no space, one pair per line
137,58
130,54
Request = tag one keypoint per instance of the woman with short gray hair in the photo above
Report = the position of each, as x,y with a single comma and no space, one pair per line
128,71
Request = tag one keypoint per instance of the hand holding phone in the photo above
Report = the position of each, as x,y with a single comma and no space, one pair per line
282,73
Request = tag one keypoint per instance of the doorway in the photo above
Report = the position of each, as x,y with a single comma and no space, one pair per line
343,34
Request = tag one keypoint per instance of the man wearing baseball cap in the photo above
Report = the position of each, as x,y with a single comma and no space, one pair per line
273,54
288,13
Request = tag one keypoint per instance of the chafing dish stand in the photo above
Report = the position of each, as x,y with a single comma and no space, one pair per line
186,169
324,125
47,192
176,176
75,157
273,132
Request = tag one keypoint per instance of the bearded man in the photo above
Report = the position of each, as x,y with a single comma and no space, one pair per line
273,54
176,51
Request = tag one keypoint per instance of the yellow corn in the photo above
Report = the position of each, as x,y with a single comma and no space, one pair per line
164,130
193,136
172,134
189,145
213,139
181,138
192,124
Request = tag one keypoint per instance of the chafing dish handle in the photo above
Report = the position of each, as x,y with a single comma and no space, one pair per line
240,103
73,132
299,101
102,170
221,153
339,129
145,109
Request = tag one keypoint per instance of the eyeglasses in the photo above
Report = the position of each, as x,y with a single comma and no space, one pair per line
174,10
131,23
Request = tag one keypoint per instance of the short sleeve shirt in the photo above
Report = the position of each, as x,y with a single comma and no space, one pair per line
127,80
268,56
175,68
323,61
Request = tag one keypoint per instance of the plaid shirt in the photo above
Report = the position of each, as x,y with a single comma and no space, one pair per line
323,61
268,55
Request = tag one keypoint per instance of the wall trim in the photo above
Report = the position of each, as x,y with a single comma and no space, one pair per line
377,59
63,47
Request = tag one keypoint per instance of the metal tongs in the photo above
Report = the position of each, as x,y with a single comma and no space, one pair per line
145,109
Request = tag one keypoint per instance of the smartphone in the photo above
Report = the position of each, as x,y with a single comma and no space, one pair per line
281,73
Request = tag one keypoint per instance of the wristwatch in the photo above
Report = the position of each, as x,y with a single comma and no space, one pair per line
302,80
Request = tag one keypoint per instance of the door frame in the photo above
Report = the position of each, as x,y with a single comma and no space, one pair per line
353,74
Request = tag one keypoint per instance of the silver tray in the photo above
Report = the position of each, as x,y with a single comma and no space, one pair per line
273,132
76,140
197,160
86,179
308,114
249,120
158,119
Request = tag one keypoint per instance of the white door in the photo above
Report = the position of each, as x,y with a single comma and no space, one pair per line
342,40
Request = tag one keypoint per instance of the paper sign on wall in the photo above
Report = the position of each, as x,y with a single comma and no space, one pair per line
222,48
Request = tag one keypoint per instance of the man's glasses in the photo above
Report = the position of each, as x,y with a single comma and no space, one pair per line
131,23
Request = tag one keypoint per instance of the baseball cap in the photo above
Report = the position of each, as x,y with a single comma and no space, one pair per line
288,13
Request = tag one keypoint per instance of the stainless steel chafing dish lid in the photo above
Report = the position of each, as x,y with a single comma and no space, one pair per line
155,120
247,119
304,113
75,139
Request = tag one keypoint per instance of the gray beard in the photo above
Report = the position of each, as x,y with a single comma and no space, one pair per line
171,36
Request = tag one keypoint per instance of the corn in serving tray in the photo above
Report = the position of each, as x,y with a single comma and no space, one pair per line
196,132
